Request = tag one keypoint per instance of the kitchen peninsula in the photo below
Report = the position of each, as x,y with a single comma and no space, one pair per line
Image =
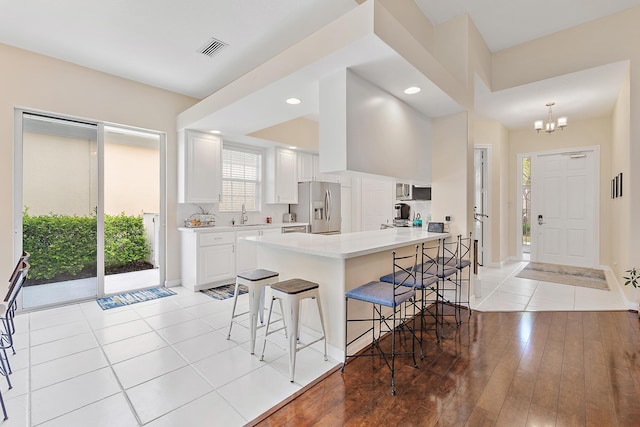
337,263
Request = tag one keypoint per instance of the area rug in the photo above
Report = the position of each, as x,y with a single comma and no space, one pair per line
224,292
120,300
565,275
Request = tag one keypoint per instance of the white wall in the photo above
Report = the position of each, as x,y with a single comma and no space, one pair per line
621,216
39,82
384,136
450,185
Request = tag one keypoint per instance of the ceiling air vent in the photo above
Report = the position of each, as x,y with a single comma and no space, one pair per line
212,47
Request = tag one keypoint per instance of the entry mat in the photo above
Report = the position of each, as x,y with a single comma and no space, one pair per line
120,300
224,292
565,275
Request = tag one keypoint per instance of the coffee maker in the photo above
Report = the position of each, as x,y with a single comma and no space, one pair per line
403,213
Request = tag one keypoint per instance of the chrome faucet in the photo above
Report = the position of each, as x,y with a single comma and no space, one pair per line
243,217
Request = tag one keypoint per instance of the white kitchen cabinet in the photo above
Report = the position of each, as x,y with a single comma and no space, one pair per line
376,203
307,166
281,183
208,258
309,170
199,167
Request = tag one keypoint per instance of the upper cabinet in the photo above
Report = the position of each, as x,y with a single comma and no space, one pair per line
199,167
309,170
281,178
307,166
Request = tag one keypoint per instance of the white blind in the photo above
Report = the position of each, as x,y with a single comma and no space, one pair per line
240,179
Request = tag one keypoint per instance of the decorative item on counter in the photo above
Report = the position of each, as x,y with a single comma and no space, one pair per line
200,219
268,220
417,222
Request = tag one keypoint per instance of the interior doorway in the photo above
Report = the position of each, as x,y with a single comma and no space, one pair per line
481,203
89,207
525,208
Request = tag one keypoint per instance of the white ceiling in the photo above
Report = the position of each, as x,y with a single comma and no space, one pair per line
156,42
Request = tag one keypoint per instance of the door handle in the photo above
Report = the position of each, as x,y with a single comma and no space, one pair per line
540,220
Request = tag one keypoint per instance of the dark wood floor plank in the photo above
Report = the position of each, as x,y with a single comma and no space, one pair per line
505,369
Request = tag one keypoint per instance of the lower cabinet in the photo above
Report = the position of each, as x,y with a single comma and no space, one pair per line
213,258
208,258
215,263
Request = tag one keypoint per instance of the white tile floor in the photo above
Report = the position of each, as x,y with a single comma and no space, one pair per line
165,362
502,291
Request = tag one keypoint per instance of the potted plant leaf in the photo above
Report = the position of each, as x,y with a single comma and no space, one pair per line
632,279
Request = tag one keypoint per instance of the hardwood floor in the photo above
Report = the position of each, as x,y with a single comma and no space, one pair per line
502,369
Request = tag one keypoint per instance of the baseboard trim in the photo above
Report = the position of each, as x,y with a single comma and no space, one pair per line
172,283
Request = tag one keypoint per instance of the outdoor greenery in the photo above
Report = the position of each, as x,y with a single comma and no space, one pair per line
125,241
63,247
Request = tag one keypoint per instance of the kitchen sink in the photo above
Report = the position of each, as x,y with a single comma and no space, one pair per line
248,225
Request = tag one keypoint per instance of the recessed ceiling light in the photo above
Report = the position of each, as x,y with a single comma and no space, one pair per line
217,132
412,90
292,147
293,101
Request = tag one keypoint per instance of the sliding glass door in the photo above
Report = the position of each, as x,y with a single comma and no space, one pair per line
131,209
88,208
59,205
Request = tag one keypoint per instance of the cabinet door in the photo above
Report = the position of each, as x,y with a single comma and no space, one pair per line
216,263
306,167
247,254
286,179
201,171
377,204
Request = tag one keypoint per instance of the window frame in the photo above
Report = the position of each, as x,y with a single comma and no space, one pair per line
230,146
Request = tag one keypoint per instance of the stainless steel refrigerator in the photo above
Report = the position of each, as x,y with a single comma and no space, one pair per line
319,205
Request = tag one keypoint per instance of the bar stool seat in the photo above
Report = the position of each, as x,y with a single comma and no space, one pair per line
291,293
255,281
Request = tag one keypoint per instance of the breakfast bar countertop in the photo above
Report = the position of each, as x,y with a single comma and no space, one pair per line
348,245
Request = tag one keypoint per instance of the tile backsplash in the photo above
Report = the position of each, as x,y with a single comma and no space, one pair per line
185,210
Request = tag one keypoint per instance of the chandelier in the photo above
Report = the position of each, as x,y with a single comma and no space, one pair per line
550,125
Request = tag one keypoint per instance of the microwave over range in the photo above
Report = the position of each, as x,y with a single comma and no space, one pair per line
412,192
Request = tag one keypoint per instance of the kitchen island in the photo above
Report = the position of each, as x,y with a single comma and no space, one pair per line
337,263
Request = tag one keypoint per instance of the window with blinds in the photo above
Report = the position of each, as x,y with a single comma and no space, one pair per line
240,179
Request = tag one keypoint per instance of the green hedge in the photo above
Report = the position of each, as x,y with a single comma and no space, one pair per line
125,240
63,247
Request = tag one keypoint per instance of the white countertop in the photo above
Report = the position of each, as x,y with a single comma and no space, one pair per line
239,227
348,245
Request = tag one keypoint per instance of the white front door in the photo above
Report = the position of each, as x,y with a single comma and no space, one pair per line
564,226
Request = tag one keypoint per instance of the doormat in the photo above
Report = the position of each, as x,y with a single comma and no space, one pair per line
565,275
224,292
120,300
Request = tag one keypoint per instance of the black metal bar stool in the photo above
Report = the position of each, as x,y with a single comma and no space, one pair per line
464,262
291,293
255,281
384,296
